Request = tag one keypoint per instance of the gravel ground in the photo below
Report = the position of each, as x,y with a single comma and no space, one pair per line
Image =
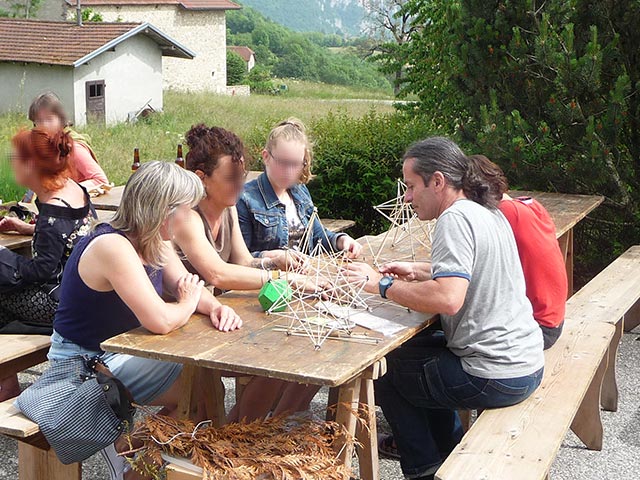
619,459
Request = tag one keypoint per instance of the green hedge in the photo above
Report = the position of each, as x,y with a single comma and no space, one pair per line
357,163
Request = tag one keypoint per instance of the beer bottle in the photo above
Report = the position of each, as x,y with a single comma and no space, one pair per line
179,158
136,160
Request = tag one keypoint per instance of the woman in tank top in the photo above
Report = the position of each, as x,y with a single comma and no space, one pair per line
115,278
210,244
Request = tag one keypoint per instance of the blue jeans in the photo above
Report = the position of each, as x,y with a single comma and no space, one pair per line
419,395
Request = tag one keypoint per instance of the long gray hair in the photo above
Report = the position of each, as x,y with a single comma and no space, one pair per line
150,196
439,154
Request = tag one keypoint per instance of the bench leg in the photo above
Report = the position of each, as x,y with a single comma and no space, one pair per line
213,392
465,419
587,424
609,398
37,464
632,318
241,384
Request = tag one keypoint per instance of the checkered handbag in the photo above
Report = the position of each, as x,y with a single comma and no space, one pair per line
77,408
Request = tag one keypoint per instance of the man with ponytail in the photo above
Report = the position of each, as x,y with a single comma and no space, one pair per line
543,265
29,287
486,352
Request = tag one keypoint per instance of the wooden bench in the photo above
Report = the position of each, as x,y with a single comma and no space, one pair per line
522,441
36,461
19,352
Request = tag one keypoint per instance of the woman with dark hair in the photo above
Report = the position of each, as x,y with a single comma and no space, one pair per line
489,351
29,287
545,273
210,244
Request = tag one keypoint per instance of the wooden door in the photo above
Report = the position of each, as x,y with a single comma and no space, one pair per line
94,93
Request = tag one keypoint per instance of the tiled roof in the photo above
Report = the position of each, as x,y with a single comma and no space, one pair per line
187,4
244,52
65,43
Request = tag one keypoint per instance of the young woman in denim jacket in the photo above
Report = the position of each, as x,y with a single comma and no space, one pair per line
275,208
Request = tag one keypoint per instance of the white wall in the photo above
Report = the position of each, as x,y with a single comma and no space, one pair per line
204,32
21,83
132,75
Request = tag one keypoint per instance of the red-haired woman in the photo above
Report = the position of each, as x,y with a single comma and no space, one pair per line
29,287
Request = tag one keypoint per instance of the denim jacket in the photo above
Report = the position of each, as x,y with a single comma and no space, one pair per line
263,217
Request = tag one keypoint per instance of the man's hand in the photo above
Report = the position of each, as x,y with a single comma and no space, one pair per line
357,271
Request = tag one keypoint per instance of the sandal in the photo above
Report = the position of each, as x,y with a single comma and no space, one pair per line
387,446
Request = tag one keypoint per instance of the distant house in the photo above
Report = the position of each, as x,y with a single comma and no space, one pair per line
101,71
247,55
199,24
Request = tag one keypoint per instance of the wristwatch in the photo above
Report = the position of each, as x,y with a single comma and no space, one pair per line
384,284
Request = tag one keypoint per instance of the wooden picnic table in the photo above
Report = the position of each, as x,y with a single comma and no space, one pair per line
256,349
566,210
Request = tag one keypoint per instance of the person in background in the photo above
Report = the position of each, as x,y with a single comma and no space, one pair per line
210,244
489,351
116,277
545,273
47,113
275,209
29,287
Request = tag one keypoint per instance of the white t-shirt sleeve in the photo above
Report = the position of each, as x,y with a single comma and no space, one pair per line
452,252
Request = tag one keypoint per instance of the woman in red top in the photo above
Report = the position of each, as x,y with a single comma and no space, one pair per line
542,261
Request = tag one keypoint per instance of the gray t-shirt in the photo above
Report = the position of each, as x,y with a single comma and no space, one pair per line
494,333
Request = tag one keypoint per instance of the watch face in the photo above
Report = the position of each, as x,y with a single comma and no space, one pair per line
386,281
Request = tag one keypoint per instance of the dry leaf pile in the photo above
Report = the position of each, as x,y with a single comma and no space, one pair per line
287,448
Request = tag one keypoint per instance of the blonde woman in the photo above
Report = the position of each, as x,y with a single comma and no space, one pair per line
115,278
275,208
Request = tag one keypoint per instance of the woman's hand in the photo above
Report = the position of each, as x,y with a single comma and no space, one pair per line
225,319
284,260
357,271
189,290
347,244
14,224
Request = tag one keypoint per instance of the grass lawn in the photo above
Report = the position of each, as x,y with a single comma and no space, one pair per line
250,117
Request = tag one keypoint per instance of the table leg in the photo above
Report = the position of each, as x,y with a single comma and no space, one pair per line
346,412
206,384
367,435
188,400
566,247
213,392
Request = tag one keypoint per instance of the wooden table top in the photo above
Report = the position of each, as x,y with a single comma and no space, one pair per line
15,346
566,209
14,241
256,349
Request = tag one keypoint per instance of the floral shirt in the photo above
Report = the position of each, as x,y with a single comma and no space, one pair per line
57,231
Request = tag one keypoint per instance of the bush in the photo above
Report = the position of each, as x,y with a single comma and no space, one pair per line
236,69
260,81
357,162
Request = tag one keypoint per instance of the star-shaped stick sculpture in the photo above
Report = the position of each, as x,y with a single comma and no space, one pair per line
324,312
406,232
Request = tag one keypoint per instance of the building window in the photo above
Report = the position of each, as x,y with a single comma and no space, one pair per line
96,90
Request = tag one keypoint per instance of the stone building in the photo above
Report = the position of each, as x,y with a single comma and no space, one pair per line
198,24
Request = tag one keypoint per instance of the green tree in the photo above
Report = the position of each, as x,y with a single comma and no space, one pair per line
21,8
548,89
236,69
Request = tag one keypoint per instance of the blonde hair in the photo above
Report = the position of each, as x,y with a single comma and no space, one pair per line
150,196
293,129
